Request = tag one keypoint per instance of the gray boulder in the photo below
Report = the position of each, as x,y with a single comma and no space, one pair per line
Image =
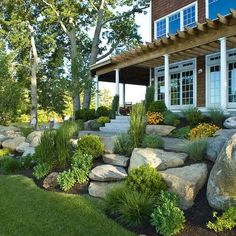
34,138
13,143
22,147
161,130
221,187
30,151
106,173
2,138
116,160
10,131
186,182
156,158
88,125
230,123
50,182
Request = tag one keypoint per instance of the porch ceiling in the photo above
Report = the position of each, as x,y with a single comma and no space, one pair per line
190,43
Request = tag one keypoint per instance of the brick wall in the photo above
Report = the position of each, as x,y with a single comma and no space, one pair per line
201,82
162,8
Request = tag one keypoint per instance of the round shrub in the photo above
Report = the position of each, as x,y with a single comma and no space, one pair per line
153,141
103,120
146,180
91,145
123,145
103,111
203,130
85,114
171,118
157,106
154,118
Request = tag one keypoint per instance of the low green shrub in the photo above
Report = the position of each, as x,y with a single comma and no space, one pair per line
91,145
137,127
193,116
82,161
80,176
217,116
27,162
131,208
149,97
123,145
95,126
9,165
197,149
167,218
157,106
103,120
41,170
103,111
181,133
146,180
227,221
170,118
153,141
66,180
85,114
4,152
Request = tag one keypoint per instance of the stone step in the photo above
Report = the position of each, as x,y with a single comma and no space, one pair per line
114,130
112,125
119,121
122,117
116,160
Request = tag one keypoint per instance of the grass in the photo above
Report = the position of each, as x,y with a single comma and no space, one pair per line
27,210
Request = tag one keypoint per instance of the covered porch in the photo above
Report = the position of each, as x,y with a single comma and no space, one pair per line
181,66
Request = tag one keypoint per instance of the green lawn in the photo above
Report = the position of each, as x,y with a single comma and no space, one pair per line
27,210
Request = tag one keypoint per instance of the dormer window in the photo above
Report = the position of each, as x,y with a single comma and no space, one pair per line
185,17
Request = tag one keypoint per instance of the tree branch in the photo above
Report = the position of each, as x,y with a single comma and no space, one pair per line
93,5
108,53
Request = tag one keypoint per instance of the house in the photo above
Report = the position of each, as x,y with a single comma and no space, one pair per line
191,60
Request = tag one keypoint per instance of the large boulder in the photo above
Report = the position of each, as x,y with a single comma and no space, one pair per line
88,125
106,172
22,147
50,182
10,131
161,130
109,143
30,151
230,123
13,143
175,144
116,160
2,139
221,187
34,138
216,143
186,182
156,158
100,189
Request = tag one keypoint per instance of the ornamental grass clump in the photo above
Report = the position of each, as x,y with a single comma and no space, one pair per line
154,118
196,149
137,127
193,116
123,145
202,131
217,116
152,141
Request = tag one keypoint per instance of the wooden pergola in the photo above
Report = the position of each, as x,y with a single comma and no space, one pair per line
133,66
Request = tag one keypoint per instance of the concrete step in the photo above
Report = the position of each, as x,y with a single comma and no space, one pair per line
114,130
117,125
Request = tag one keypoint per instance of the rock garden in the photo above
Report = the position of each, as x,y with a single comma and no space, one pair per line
169,175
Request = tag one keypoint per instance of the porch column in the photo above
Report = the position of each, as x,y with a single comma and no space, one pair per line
117,71
123,99
167,80
150,76
96,92
223,73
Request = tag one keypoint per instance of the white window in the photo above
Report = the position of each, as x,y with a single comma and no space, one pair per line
185,17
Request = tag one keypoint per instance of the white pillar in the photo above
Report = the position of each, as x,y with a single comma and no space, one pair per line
96,92
117,71
123,100
150,77
223,73
167,80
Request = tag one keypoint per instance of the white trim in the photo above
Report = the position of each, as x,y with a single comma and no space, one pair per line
181,18
167,79
207,8
223,73
150,23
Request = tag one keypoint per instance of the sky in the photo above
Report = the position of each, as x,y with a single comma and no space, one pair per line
134,93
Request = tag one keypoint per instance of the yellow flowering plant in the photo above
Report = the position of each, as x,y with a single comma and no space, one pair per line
154,118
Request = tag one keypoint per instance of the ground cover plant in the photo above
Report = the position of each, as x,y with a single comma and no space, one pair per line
154,118
28,210
181,133
202,131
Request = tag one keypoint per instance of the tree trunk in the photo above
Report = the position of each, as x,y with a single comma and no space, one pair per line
94,52
34,67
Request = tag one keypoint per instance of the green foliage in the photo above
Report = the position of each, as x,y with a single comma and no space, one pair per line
181,133
9,165
217,116
153,141
227,221
146,180
115,106
193,116
91,145
85,114
149,97
4,152
167,218
157,106
26,130
41,170
69,128
80,176
197,149
95,126
27,162
137,127
131,208
103,111
80,124
66,180
82,161
103,120
171,118
123,145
